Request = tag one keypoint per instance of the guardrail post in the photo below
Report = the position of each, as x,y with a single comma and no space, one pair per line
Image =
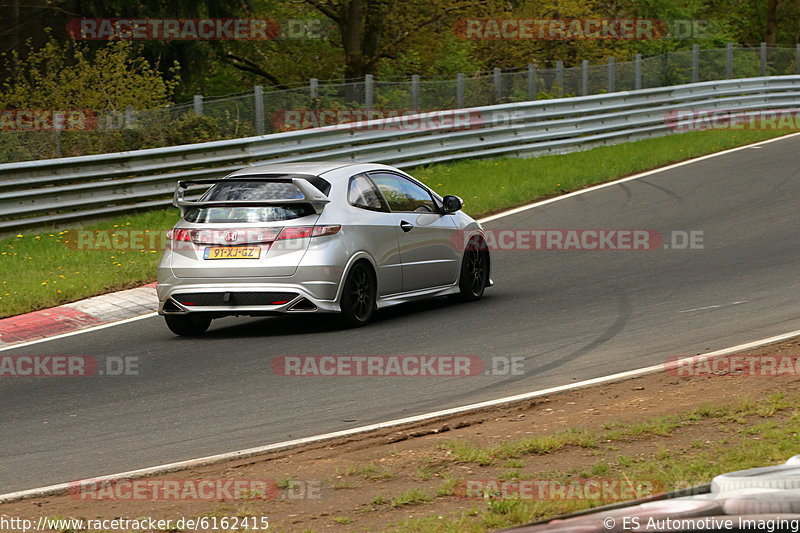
797,58
763,59
612,74
129,117
560,77
58,148
637,71
729,61
585,77
313,88
415,91
368,91
695,63
531,81
258,96
460,90
198,104
498,85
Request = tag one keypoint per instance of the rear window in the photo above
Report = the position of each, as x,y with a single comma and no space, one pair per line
253,190
247,191
271,213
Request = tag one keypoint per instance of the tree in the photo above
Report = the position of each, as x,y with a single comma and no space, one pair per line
36,21
373,29
70,76
771,29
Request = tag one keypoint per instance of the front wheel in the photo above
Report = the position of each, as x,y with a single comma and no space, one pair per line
358,296
474,272
191,325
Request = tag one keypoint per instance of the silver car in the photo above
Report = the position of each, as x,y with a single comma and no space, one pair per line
321,237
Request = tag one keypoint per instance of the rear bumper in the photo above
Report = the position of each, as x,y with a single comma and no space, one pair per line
245,296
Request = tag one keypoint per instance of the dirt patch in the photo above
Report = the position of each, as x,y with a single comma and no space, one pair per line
372,482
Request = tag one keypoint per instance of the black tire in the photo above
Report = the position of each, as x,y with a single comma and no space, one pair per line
474,272
192,325
358,296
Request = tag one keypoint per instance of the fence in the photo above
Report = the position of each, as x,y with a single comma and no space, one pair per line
262,111
68,189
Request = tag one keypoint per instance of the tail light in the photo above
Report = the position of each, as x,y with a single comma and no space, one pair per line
320,231
301,232
179,234
296,232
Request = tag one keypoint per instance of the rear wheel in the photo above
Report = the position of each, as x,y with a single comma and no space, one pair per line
358,296
474,272
191,325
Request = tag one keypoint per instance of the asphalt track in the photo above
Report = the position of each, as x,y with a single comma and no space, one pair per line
571,315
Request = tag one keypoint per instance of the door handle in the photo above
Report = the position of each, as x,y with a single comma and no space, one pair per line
406,226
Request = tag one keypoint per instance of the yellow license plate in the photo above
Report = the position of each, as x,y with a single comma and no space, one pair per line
232,252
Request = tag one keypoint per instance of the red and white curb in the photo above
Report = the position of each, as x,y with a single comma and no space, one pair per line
75,316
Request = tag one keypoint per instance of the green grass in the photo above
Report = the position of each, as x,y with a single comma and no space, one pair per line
285,484
426,472
731,446
663,426
370,472
448,487
410,497
40,270
466,452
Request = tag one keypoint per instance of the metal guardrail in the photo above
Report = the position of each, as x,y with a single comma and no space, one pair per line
54,191
260,111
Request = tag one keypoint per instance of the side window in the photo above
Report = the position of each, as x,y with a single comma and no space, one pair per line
403,195
362,193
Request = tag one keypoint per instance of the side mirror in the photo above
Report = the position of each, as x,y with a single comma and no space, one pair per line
451,203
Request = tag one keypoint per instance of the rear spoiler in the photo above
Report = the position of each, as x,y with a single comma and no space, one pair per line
311,195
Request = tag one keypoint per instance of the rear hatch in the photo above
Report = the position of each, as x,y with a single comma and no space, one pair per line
243,228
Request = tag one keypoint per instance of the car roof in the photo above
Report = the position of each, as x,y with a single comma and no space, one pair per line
314,168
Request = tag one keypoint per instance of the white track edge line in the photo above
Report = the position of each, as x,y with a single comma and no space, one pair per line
54,489
213,459
79,331
646,173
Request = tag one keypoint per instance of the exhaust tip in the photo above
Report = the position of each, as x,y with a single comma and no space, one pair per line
303,304
171,307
